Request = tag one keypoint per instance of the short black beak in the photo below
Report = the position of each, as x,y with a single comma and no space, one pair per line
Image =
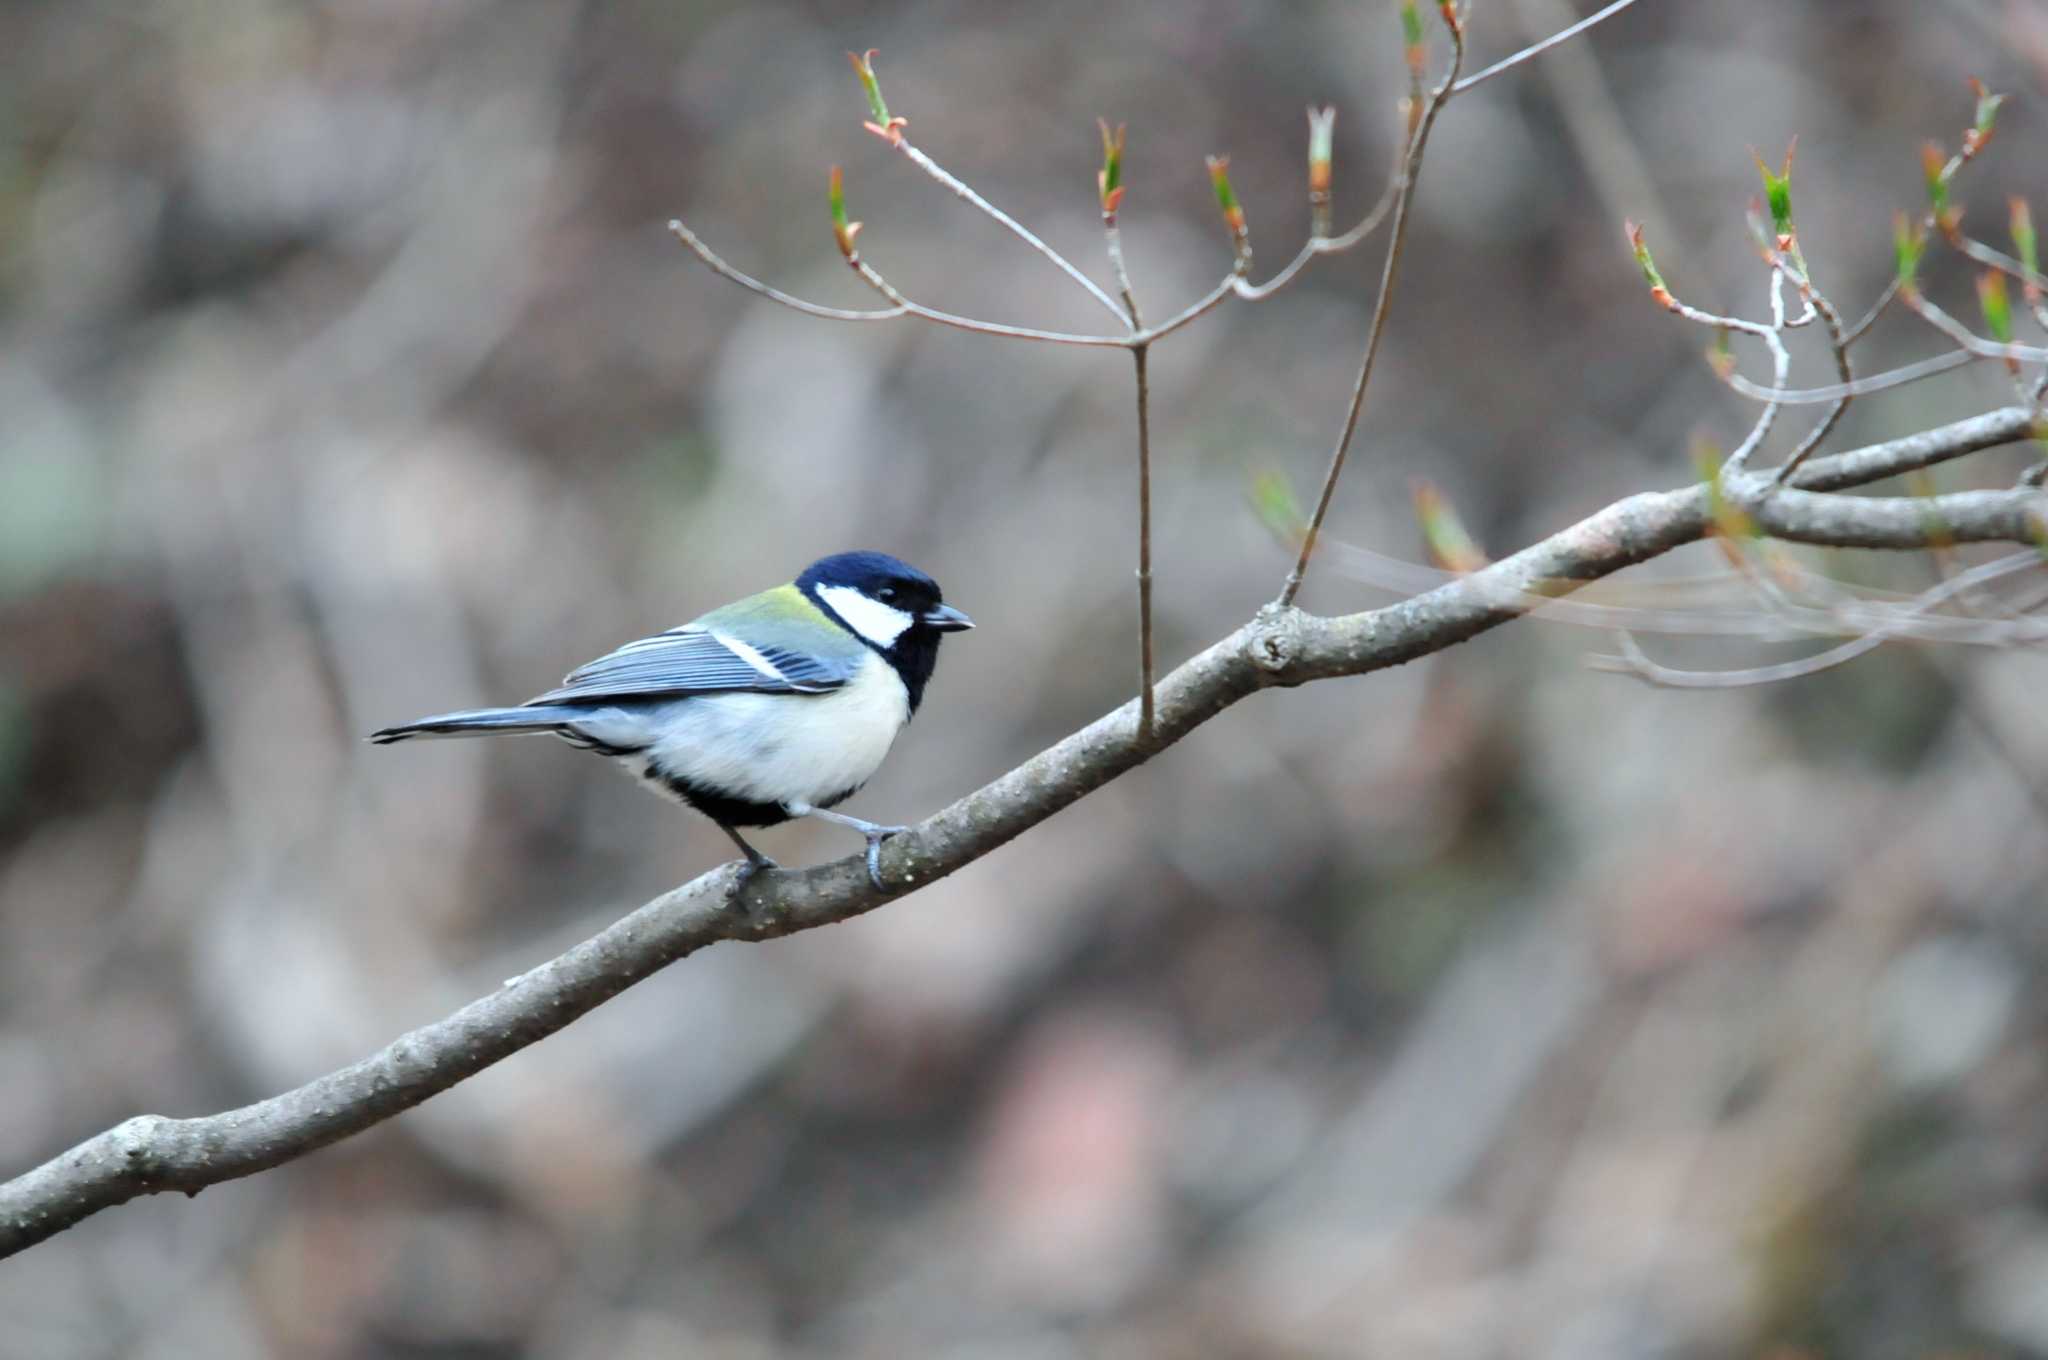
944,618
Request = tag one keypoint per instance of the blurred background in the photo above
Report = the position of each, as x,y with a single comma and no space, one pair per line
1488,1007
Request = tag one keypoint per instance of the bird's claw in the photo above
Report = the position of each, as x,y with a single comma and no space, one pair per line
749,867
875,838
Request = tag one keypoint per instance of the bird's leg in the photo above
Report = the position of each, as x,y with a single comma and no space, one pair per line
756,861
874,832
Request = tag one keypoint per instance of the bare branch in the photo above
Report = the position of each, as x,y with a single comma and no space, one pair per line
1280,647
1912,452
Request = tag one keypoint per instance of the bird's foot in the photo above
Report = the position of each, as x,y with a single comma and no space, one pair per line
750,866
873,832
875,836
753,864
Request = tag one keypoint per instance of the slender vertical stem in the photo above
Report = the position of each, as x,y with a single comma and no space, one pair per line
1404,197
1838,342
1140,357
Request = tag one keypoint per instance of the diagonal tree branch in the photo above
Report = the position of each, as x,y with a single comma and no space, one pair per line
1280,647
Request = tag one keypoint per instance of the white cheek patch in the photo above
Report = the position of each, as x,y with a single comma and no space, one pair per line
879,623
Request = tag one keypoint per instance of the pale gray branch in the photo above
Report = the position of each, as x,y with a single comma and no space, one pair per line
1280,647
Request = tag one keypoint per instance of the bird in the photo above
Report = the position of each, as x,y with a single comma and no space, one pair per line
774,707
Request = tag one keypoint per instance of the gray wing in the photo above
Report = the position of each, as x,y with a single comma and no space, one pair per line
697,660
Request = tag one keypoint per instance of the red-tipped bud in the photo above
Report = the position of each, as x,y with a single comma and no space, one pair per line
1109,180
1997,308
1934,170
1322,126
1233,214
1411,38
1950,223
2027,246
1778,196
1909,243
1658,292
843,231
880,123
1452,20
1985,121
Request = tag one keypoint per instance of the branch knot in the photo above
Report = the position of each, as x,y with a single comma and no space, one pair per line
1276,641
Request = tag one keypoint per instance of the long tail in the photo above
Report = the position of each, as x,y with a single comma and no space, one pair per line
484,722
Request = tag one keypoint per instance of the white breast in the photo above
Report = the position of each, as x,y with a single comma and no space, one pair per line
774,748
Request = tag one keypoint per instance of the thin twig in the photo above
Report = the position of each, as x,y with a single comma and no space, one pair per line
1967,339
1993,258
1862,387
1016,228
1140,357
754,285
1837,342
1193,310
1367,225
1781,367
1228,286
1633,661
1928,222
1232,284
1404,196
1539,48
1877,309
888,290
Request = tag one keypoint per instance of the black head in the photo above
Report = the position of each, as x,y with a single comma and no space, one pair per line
889,605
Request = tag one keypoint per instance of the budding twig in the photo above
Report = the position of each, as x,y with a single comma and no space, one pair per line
1109,187
1424,119
1233,214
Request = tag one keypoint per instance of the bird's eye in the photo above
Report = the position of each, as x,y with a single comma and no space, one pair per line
886,593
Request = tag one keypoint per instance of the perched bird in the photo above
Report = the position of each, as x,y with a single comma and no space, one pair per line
780,705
